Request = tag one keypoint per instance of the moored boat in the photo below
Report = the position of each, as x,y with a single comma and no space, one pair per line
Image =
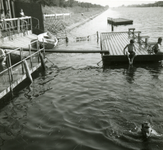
48,40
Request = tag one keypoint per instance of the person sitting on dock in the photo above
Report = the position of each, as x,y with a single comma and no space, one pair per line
131,49
157,46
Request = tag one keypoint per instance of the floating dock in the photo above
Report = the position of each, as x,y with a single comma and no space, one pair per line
114,43
119,21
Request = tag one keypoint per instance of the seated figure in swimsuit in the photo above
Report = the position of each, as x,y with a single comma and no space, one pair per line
131,51
156,48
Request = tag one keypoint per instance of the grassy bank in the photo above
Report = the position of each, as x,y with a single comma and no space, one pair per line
76,16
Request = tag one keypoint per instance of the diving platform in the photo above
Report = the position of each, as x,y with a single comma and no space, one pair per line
119,21
114,43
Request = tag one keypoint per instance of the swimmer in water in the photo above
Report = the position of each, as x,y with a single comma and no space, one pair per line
146,130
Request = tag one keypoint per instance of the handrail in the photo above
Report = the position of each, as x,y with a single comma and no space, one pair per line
16,23
28,57
38,25
21,61
56,15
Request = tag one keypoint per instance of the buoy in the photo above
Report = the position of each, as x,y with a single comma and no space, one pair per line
42,61
27,71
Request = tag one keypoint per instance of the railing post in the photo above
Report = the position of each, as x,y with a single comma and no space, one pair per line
9,55
30,56
9,74
44,48
38,49
18,24
21,58
31,24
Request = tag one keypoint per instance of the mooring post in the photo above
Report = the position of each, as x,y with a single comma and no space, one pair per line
42,61
66,41
112,27
97,37
139,38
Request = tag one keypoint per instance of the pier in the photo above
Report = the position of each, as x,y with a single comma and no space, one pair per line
114,43
14,73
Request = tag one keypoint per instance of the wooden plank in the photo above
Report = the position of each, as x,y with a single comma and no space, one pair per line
117,44
107,59
116,41
112,46
122,43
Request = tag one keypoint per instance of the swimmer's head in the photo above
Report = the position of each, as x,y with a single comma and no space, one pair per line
146,129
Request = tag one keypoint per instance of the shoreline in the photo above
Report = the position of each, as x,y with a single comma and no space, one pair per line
78,24
77,19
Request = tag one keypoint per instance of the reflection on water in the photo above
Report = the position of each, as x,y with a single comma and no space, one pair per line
78,105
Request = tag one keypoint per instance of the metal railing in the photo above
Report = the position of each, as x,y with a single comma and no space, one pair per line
56,16
16,25
14,71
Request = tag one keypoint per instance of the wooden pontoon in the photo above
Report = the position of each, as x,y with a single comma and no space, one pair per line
119,21
114,43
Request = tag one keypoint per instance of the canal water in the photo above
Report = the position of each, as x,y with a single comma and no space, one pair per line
79,105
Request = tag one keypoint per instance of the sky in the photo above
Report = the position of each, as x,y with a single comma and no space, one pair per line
116,3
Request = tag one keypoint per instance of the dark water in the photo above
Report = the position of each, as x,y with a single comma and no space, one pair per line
78,105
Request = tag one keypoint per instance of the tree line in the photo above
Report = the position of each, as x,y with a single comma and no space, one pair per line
62,3
156,4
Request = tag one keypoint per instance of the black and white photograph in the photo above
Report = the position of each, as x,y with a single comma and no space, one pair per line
81,75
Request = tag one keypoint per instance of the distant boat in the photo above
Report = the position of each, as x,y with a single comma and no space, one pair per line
48,40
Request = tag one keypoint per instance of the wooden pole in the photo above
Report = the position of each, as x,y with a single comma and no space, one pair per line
97,37
21,51
112,27
42,61
30,55
9,55
28,73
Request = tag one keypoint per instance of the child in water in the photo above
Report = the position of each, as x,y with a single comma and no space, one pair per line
131,49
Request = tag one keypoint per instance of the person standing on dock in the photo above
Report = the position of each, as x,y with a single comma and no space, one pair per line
22,13
131,51
157,46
